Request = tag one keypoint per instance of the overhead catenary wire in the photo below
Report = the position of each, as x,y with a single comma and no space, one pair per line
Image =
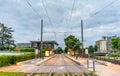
103,8
47,13
69,23
70,16
63,32
33,8
48,17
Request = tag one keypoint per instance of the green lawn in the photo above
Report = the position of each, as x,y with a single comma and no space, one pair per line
12,74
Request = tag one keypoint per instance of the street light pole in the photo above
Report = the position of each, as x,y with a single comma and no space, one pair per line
82,37
2,27
41,43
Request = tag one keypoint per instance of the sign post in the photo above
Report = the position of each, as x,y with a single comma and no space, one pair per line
86,52
36,53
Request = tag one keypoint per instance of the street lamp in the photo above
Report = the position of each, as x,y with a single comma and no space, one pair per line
1,25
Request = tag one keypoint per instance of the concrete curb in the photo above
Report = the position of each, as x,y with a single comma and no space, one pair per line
38,63
76,61
103,62
23,62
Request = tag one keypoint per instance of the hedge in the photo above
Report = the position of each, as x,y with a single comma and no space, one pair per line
27,50
114,54
7,60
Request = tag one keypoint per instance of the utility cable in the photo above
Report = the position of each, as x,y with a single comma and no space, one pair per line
48,17
33,8
102,9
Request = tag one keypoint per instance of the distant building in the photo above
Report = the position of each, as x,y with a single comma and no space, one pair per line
102,48
50,44
36,44
23,45
105,44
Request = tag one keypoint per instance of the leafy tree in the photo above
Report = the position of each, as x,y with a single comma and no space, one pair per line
6,40
59,50
66,49
92,48
116,43
72,42
95,47
119,44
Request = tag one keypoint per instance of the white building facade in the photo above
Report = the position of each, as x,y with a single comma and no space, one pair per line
105,44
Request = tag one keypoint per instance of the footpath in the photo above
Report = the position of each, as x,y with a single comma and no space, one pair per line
102,68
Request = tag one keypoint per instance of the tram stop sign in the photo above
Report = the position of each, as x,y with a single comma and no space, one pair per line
86,51
36,51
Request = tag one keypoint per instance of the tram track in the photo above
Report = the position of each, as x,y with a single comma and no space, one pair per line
34,73
55,64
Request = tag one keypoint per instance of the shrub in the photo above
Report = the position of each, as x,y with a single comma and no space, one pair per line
114,55
7,60
17,49
4,60
27,50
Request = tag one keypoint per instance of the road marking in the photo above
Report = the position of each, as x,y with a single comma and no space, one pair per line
61,68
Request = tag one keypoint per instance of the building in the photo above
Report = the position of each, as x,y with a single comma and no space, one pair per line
23,45
105,44
50,44
109,42
36,44
102,48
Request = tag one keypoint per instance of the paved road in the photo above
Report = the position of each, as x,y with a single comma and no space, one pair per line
59,64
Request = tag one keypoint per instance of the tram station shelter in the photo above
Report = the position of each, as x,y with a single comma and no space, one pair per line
50,44
45,44
37,44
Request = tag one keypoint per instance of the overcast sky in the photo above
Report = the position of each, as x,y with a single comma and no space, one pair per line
100,18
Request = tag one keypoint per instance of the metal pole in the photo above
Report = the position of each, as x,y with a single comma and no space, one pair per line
82,37
3,29
88,61
94,61
93,65
41,43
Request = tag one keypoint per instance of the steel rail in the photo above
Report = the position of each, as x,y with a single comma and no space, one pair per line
75,63
32,74
65,66
51,70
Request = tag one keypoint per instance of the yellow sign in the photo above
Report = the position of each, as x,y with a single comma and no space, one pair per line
86,51
47,53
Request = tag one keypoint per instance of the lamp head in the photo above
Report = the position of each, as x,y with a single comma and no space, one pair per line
1,25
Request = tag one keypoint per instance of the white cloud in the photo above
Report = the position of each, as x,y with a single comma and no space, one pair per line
25,22
76,14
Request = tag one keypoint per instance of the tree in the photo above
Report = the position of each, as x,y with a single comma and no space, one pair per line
59,50
92,48
119,44
6,38
95,47
66,49
72,42
116,43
